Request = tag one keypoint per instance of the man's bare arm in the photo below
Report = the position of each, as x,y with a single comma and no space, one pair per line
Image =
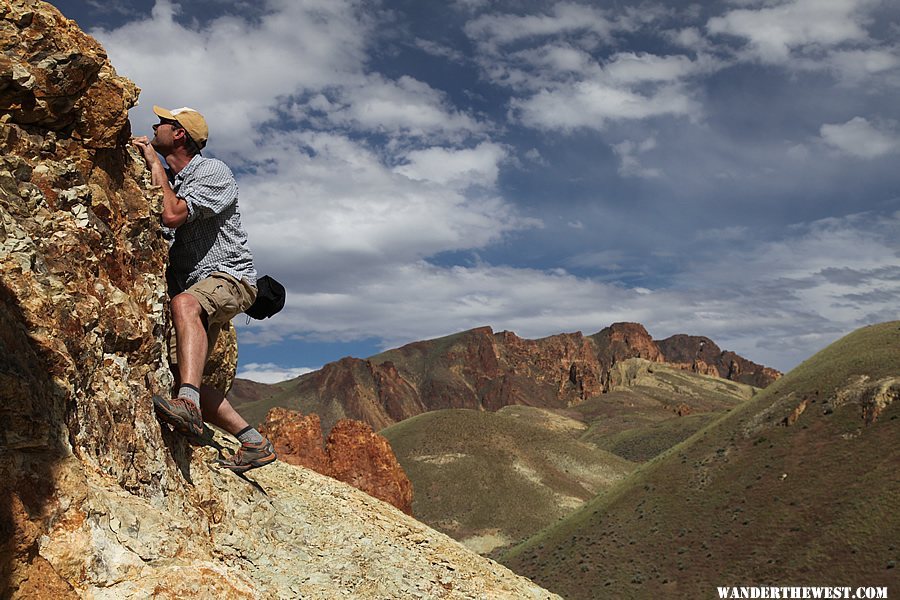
175,210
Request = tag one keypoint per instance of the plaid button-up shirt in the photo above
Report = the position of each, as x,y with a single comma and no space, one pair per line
212,239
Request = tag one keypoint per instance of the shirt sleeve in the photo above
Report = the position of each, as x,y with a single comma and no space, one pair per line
211,191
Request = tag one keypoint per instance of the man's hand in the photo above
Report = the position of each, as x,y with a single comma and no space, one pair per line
143,144
175,210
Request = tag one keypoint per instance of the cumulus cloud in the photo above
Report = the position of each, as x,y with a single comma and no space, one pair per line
860,139
855,66
457,168
773,32
594,104
405,106
326,208
554,63
270,372
776,302
496,30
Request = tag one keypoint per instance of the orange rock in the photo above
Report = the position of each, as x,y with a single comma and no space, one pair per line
297,439
353,454
365,460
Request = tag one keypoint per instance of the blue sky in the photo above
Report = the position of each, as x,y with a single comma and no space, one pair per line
413,169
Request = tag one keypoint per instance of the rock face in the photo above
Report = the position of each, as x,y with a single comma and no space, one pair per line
701,355
96,498
353,454
483,370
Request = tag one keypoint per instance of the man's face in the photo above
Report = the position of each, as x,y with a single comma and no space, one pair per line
164,134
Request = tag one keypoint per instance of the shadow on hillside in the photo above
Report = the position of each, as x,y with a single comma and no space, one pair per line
33,410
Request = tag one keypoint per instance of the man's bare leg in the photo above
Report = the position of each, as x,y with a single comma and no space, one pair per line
218,410
191,339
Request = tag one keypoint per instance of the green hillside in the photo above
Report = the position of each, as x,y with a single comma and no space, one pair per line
798,486
491,479
638,418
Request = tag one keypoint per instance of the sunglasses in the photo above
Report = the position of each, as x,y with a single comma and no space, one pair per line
174,124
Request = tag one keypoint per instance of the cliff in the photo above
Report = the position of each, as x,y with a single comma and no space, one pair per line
483,370
96,499
700,354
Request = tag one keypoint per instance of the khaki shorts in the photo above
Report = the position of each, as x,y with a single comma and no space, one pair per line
222,297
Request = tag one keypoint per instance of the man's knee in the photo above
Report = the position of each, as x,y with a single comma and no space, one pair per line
185,306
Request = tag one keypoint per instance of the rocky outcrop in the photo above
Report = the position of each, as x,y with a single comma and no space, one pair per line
353,453
365,460
483,370
701,355
297,438
96,499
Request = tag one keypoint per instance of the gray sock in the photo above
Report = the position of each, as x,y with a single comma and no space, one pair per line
248,435
191,393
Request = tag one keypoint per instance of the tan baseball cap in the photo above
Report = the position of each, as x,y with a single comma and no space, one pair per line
192,121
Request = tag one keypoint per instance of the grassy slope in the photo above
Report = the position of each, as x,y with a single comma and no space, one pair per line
492,479
747,500
636,419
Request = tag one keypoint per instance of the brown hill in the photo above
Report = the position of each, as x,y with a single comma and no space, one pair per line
483,370
798,483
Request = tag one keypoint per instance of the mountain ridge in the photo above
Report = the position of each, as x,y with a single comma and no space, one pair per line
484,370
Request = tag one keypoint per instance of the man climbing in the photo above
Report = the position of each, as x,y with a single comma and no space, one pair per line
211,277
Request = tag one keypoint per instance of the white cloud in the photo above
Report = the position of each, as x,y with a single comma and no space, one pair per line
457,168
328,207
630,165
496,30
689,37
270,373
855,66
859,138
774,32
558,59
637,68
594,104
561,82
762,299
405,106
437,49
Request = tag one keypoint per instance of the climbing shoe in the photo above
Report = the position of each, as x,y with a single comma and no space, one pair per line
250,456
180,413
